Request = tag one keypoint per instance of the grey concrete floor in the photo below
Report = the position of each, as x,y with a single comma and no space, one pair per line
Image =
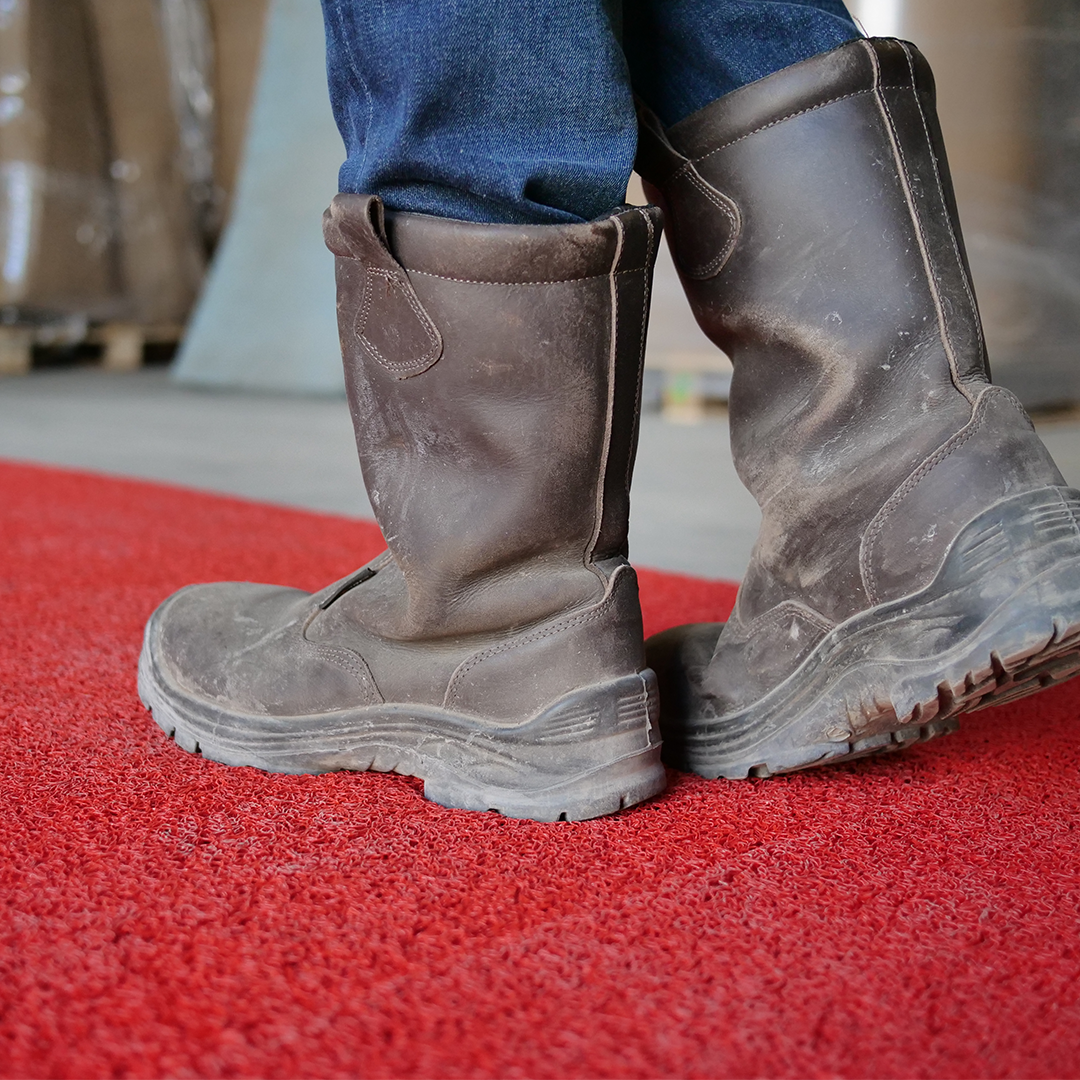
689,511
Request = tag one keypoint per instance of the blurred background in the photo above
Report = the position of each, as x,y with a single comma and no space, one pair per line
167,307
123,124
121,130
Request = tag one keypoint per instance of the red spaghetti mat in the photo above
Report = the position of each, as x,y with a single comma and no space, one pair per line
167,916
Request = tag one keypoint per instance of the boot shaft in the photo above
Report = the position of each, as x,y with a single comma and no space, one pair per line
822,194
493,375
812,220
918,552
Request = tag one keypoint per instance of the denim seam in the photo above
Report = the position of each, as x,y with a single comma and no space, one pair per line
347,39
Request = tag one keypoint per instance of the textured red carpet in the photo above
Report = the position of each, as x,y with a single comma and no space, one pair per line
167,916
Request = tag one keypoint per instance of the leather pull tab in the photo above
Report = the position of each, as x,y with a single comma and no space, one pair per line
656,158
703,224
391,325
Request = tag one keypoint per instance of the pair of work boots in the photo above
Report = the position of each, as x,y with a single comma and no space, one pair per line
919,553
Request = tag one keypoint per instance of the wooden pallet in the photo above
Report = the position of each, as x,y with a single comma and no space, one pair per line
16,350
123,344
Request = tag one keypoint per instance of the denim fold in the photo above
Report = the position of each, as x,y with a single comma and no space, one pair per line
502,111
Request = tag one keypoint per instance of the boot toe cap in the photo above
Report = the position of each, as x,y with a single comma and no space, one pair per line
241,647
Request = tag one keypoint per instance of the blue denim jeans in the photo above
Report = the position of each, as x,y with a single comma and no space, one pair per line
513,111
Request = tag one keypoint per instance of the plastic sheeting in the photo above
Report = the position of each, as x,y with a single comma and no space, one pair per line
96,217
267,315
189,40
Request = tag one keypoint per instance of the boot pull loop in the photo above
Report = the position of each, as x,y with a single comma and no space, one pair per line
703,224
657,160
377,216
390,324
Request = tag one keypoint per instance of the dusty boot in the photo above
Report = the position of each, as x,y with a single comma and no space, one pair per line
495,649
919,553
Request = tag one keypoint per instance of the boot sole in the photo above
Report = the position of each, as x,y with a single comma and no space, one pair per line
1001,620
518,770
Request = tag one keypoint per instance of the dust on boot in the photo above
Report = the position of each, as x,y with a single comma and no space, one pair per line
495,649
919,553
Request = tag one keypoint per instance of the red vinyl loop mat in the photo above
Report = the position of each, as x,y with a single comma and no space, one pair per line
911,916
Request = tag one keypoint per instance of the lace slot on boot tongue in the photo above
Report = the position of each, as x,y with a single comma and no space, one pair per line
346,586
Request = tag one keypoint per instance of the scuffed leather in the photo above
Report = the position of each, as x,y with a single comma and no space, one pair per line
995,455
547,661
862,416
499,475
703,224
388,320
242,645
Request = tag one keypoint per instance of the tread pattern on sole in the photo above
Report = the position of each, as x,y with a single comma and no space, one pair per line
1000,621
620,784
1010,680
619,800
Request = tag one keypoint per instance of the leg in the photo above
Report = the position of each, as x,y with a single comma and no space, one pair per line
483,112
919,553
684,54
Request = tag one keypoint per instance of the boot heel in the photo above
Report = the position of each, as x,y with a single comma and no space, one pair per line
1015,569
1001,620
595,751
615,786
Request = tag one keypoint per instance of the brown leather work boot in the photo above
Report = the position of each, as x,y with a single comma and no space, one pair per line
919,553
495,649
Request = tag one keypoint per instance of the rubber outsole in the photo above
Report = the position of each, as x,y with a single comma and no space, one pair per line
594,752
1001,620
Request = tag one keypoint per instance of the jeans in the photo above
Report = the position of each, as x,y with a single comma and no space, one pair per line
517,112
